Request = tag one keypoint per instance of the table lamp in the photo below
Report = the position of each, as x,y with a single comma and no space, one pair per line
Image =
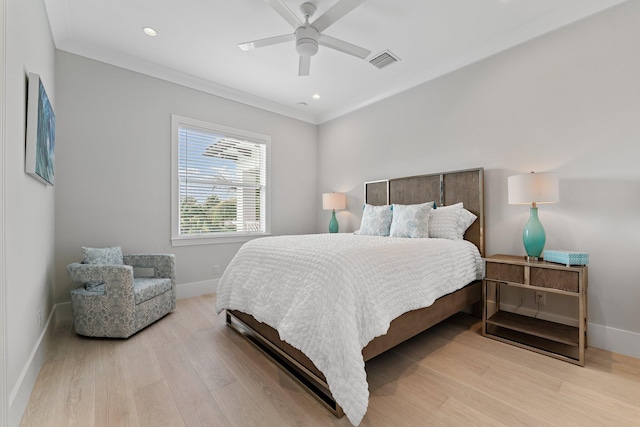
333,201
533,188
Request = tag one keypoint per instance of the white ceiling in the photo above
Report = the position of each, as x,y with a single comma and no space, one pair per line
197,43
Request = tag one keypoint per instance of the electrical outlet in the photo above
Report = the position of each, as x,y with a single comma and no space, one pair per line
39,319
541,298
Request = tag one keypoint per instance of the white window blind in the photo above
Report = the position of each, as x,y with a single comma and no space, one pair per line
222,181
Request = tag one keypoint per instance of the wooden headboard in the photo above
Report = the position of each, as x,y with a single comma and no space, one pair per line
446,188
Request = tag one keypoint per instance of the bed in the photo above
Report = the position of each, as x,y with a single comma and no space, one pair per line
242,314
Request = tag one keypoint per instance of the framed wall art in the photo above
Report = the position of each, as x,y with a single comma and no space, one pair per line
41,130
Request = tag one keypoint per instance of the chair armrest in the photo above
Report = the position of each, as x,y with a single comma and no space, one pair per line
111,275
164,265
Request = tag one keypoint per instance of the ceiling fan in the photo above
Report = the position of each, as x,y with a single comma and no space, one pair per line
309,35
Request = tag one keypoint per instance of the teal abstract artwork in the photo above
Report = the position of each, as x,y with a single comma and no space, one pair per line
41,129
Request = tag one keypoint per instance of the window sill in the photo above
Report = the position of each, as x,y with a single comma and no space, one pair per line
215,240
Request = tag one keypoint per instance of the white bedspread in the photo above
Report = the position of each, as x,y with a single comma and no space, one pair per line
330,294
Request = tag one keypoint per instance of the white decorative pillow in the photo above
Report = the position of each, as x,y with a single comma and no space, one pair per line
102,256
376,220
411,220
465,220
450,222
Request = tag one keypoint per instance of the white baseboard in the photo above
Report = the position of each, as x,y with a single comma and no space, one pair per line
195,289
616,340
19,397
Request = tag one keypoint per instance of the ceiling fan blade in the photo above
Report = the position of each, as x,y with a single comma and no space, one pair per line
343,46
334,13
285,12
304,66
266,42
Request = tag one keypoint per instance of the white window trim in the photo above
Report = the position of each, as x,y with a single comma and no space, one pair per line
217,238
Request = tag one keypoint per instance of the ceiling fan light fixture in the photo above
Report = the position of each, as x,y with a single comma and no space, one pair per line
307,47
306,41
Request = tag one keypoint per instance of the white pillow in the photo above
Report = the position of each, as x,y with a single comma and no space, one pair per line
376,220
464,221
450,222
411,220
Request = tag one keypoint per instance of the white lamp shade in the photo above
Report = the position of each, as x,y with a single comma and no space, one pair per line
534,188
331,201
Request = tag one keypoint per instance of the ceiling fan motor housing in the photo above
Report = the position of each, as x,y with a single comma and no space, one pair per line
307,40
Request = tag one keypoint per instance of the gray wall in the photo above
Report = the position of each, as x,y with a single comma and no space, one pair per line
567,102
29,205
113,160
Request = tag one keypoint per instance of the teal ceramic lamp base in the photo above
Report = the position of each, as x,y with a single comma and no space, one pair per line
333,224
533,236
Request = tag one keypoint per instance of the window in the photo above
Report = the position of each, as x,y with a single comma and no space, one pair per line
219,183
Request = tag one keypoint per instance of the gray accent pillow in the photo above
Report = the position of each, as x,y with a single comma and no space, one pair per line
376,220
102,256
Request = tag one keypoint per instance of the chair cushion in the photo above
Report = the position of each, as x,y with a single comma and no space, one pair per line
146,288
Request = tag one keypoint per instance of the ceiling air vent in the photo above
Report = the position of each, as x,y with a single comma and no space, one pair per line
384,59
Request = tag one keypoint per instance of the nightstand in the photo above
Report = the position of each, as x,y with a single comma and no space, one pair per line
553,339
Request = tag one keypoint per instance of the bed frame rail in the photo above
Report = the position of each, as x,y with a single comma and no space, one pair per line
314,384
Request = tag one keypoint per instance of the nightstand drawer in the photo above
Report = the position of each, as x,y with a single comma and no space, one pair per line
505,272
555,279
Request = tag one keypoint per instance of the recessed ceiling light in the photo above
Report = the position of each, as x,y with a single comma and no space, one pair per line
301,104
316,96
149,31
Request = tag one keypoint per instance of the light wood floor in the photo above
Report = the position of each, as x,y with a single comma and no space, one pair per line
190,369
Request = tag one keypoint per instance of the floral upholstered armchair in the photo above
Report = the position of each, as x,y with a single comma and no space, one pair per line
112,302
